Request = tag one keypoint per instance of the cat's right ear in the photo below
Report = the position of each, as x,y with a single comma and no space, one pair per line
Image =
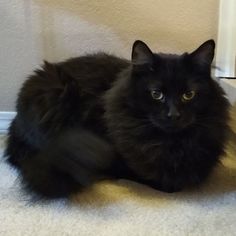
141,54
203,56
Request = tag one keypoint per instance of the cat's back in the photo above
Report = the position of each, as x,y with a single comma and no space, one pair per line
65,92
95,70
90,74
94,64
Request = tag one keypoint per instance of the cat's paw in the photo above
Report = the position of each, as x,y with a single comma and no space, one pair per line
168,188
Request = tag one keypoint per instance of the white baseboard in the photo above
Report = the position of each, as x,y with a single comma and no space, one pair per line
5,120
229,85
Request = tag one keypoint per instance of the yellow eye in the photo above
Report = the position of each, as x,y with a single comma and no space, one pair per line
157,95
188,96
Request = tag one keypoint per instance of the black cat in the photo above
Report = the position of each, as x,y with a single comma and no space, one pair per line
158,119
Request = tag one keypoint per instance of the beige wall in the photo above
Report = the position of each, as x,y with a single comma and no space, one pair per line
56,29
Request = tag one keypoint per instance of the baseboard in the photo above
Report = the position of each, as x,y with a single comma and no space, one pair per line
5,120
229,85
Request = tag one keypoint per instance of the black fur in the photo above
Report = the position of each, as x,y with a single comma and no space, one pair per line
94,117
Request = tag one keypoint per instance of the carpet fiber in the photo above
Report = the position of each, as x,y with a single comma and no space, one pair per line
124,208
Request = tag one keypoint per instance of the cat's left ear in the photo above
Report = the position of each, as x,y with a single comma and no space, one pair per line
204,55
141,54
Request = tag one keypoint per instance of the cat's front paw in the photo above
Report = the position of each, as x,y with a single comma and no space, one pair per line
168,188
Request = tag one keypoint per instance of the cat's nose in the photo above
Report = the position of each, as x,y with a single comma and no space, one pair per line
173,114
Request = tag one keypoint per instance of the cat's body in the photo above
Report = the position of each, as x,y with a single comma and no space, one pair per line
99,116
55,105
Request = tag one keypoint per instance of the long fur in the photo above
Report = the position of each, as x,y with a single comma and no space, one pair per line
87,119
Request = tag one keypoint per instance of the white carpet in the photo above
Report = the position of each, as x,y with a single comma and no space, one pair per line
124,208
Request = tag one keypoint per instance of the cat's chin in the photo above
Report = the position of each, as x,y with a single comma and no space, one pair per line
170,128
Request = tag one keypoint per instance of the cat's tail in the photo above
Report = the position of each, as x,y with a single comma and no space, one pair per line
75,160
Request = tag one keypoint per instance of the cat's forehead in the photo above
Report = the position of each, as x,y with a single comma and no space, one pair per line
170,61
171,71
169,56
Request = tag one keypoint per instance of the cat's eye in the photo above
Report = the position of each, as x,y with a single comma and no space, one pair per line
188,96
157,95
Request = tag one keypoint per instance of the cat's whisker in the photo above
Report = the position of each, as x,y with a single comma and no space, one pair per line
209,121
202,125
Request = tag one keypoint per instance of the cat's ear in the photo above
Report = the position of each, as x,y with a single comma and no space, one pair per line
204,55
141,54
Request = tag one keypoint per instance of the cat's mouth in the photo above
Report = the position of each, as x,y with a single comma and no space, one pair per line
170,126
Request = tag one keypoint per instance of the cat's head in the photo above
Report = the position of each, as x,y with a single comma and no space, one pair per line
172,91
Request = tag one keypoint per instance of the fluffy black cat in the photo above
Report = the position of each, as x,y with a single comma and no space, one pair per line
158,119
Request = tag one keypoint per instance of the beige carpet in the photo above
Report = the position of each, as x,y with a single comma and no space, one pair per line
125,208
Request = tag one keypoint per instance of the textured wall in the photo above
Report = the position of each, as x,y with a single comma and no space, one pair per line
31,30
